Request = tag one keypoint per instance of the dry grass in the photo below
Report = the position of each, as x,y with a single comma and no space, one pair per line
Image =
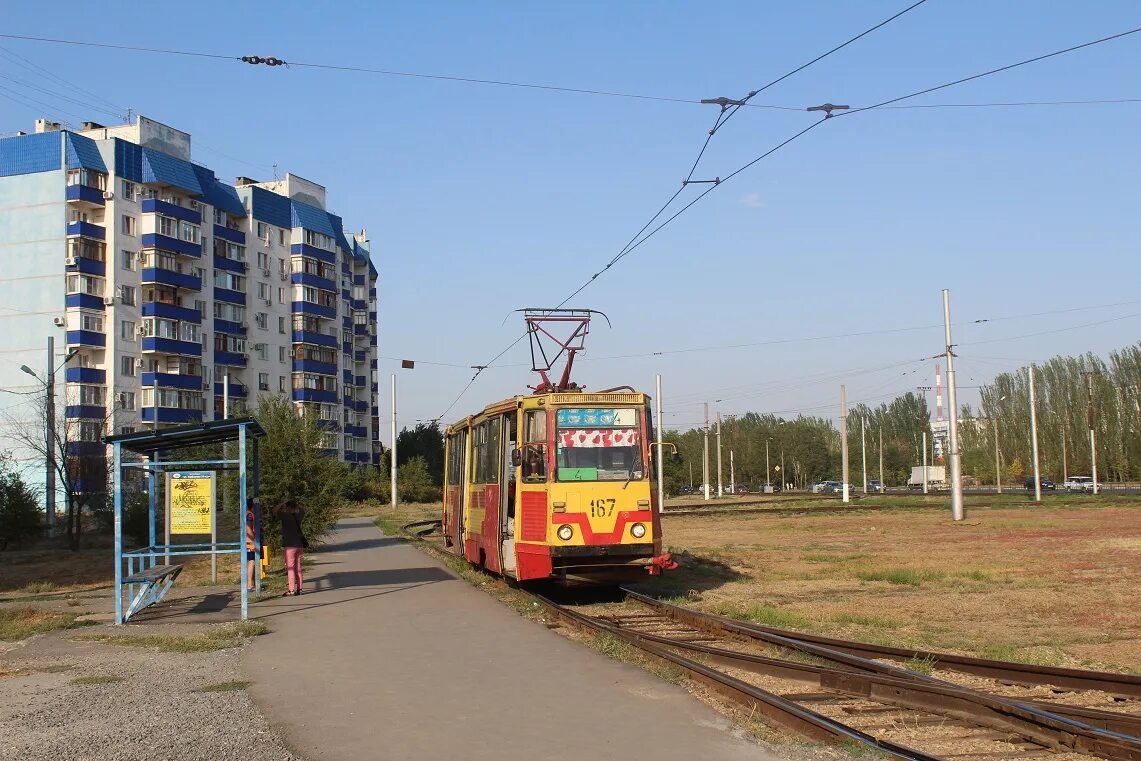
215,638
234,686
22,621
1054,583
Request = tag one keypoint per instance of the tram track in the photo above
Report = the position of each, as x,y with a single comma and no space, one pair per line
857,699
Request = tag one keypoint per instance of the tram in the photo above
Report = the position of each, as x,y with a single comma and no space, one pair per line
555,485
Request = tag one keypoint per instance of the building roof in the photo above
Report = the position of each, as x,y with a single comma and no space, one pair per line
83,153
29,154
311,218
164,169
218,194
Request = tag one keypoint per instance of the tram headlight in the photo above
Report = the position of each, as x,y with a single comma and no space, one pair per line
566,531
638,530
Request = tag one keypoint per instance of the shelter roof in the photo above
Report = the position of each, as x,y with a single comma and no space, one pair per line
183,436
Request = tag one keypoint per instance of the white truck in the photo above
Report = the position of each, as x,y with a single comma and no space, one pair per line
936,477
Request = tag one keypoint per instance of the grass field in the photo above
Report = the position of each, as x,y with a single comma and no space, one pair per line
1054,583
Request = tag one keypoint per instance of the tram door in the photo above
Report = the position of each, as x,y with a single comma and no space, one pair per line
457,491
507,496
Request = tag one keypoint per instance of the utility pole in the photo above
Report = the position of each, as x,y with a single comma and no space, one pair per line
691,475
844,441
705,456
392,465
1034,439
864,451
720,485
883,484
925,462
955,455
732,474
661,471
49,427
997,464
1065,469
768,470
1092,441
782,475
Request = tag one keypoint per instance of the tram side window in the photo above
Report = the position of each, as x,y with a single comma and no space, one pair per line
455,458
479,452
534,458
487,452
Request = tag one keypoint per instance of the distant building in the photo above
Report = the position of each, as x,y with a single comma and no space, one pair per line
176,287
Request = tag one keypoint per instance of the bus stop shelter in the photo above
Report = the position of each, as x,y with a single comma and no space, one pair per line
143,576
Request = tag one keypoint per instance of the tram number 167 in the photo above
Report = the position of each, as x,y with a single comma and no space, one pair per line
602,508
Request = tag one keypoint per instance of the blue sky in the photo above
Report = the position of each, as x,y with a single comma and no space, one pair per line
480,200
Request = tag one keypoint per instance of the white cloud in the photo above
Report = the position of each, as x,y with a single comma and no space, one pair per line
752,201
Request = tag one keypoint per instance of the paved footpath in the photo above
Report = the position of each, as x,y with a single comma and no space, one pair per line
389,656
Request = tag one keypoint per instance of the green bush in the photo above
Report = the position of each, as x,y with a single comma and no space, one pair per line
414,482
20,516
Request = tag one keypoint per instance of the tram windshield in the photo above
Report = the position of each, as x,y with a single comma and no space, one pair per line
598,445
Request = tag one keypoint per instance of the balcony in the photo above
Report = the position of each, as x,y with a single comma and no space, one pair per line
356,430
236,390
171,312
311,337
154,344
85,411
314,395
85,338
154,205
160,276
313,366
305,278
228,326
230,358
225,233
230,265
316,310
85,375
87,230
232,297
82,194
319,254
171,415
84,301
174,245
347,377
173,380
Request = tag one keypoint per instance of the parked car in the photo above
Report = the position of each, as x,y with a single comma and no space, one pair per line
837,487
1044,483
875,486
1078,483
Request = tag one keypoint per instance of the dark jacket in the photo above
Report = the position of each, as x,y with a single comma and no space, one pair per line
291,533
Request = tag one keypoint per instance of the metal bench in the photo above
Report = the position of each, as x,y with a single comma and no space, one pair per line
155,583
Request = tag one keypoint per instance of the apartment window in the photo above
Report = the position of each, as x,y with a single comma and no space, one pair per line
127,429
263,260
263,231
90,430
127,366
129,260
281,384
127,400
319,240
262,320
280,353
128,190
91,179
167,226
281,324
229,250
199,304
127,330
128,225
280,295
281,266
260,348
127,293
263,291
188,232
263,381
220,217
281,237
224,310
229,281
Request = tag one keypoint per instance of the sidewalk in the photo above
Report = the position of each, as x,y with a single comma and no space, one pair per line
389,656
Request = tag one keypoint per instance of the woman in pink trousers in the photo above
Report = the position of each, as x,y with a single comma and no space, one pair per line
293,543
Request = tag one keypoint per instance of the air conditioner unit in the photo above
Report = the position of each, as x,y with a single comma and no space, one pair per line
259,347
141,330
109,301
265,241
265,273
58,321
292,352
205,385
69,261
108,195
269,302
284,277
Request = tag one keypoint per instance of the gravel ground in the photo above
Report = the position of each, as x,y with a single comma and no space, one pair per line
157,711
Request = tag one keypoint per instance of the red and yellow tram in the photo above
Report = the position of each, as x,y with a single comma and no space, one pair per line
555,485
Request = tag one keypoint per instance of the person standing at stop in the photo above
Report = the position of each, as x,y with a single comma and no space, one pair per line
293,544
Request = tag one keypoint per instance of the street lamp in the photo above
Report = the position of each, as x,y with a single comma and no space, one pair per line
997,466
49,426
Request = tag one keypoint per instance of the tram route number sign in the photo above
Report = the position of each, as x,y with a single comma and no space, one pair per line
190,499
589,417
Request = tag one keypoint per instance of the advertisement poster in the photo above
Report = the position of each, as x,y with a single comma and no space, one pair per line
190,502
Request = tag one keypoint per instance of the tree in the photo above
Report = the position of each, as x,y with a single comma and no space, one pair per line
77,451
425,441
294,468
415,483
20,515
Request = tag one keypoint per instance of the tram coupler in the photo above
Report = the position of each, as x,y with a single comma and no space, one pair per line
663,562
